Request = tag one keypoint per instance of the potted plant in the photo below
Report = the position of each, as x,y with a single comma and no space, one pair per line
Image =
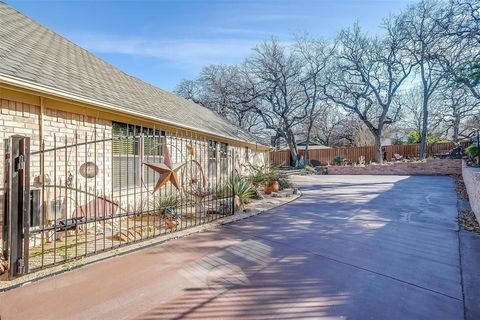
275,185
267,189
271,180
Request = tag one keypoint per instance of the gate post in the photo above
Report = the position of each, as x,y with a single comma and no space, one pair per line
16,206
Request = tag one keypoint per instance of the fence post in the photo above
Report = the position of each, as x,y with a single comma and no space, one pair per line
233,181
16,206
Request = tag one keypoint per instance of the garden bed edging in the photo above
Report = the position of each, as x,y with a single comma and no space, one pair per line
431,167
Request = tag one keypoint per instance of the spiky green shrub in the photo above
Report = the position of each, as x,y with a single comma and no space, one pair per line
472,150
168,200
241,188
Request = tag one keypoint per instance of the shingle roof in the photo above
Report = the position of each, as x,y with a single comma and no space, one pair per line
33,53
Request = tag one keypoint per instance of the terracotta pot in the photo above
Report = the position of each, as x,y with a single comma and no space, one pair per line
170,224
275,186
267,189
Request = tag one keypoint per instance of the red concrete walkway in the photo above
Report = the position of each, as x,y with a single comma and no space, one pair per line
344,250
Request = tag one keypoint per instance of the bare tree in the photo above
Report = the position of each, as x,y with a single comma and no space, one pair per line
329,126
458,105
354,133
313,55
412,113
419,26
460,23
277,75
191,90
227,91
367,74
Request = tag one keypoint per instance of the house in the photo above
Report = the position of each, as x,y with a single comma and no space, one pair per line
311,146
96,132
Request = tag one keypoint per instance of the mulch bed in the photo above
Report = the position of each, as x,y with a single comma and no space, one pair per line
460,187
468,221
466,218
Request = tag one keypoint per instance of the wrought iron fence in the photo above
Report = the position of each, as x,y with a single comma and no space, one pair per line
93,193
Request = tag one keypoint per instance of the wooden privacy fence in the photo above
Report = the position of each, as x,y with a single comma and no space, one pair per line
352,154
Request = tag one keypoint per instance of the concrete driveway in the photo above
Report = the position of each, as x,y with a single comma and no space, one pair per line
352,247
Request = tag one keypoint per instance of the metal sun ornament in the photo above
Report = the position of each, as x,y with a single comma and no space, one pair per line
168,171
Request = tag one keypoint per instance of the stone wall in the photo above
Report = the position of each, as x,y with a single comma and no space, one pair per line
471,178
435,167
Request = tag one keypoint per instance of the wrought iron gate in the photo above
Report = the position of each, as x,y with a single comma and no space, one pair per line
81,195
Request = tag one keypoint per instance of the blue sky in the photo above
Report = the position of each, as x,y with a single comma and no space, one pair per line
163,42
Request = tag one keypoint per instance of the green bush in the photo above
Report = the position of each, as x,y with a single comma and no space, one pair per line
472,150
414,138
257,175
283,182
265,174
338,160
398,142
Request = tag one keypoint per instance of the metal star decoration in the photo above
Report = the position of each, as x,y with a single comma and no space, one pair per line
167,170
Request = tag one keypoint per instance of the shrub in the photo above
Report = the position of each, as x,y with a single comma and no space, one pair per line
414,138
257,175
283,182
472,150
398,141
265,174
338,160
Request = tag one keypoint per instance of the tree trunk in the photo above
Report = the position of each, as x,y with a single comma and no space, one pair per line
378,148
423,138
307,143
293,154
456,128
292,145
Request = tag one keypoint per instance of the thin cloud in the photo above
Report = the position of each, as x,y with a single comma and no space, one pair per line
196,52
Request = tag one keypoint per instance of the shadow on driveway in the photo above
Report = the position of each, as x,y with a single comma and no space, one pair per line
352,247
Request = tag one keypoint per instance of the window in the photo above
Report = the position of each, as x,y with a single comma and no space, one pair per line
212,158
130,143
247,155
223,158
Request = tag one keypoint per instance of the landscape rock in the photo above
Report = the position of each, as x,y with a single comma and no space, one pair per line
257,195
3,266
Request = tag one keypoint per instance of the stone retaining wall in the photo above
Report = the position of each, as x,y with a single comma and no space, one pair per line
432,167
471,178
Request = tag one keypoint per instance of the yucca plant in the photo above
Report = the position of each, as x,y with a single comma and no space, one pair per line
243,189
240,187
169,200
